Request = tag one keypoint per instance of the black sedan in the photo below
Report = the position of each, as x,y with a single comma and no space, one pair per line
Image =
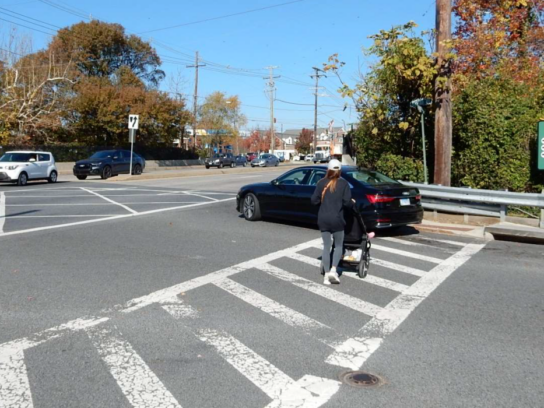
108,163
383,202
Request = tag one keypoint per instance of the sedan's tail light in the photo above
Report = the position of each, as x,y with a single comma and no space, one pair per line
377,198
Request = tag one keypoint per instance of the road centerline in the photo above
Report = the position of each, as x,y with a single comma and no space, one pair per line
2,211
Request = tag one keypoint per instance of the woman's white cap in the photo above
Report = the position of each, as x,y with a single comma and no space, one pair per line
334,165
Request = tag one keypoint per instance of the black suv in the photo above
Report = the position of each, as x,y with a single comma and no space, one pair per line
220,160
109,163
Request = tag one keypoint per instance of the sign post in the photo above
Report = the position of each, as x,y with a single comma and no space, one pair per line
133,122
540,145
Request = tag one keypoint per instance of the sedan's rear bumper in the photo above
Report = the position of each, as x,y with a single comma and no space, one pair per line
391,219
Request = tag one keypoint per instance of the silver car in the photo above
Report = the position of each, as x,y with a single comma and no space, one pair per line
265,160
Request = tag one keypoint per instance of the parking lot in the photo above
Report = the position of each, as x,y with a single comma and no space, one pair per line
157,293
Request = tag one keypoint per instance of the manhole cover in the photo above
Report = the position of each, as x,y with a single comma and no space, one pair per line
361,379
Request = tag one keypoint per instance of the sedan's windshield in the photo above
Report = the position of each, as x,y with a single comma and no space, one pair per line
370,177
17,157
103,155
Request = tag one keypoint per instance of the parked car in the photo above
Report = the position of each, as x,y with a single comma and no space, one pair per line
298,157
265,160
109,163
309,158
241,160
383,202
251,156
220,160
21,166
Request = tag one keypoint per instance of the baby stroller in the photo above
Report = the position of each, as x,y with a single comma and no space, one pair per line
356,251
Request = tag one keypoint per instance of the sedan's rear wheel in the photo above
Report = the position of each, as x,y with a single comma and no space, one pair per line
137,170
52,177
251,208
81,177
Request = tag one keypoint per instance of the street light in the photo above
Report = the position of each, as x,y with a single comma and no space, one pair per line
420,104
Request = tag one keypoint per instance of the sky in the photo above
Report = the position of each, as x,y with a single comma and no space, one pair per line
237,42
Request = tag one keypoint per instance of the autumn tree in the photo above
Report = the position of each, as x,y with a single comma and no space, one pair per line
221,116
305,141
503,38
100,49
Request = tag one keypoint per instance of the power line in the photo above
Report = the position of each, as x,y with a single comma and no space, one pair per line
65,9
27,17
221,17
22,25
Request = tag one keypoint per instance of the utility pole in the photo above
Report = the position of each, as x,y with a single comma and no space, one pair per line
195,102
316,76
442,97
271,90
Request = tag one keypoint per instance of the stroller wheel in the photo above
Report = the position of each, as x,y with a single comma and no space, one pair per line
362,269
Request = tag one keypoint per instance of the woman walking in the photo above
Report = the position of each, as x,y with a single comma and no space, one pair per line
332,194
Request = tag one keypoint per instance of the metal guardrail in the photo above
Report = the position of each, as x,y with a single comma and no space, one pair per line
476,201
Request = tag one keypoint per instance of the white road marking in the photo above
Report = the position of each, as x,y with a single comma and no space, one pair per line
2,211
351,302
407,254
384,323
179,309
417,244
72,224
444,241
60,216
308,392
397,267
110,200
306,259
201,196
14,385
375,280
285,314
141,386
165,294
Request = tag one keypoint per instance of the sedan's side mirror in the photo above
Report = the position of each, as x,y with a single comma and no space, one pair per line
115,157
275,182
32,160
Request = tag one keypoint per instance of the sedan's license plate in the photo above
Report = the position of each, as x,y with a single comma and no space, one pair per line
404,201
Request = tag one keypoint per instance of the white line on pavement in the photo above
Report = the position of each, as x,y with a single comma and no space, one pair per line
179,309
306,259
375,280
444,241
412,243
397,267
407,254
140,385
60,216
14,385
72,224
110,200
396,312
351,302
277,310
2,211
308,392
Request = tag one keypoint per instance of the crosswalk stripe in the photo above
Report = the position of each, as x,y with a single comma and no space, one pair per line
399,309
375,280
417,244
351,302
283,390
407,254
305,259
281,312
139,384
397,267
14,385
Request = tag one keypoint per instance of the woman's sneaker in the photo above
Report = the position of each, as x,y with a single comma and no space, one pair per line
326,279
333,276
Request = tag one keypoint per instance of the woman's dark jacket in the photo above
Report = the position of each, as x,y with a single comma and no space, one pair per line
331,212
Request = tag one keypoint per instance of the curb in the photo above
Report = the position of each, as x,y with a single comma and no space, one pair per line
196,173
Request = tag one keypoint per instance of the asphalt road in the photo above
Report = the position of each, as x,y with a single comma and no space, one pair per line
157,294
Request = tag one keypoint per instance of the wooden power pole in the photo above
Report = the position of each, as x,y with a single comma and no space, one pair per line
442,97
195,101
272,91
316,76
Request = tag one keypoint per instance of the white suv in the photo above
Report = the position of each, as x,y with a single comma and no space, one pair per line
20,167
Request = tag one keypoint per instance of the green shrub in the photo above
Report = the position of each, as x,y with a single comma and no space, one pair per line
401,168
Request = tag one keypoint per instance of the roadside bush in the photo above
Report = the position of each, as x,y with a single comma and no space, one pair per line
401,168
494,136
